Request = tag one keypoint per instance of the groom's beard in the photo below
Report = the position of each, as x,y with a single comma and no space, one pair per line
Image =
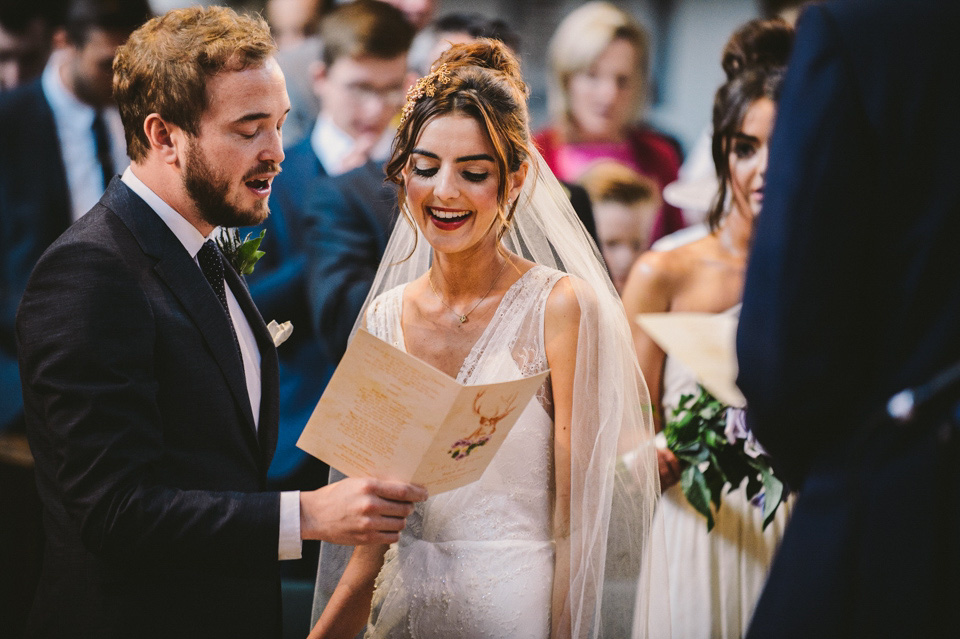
210,192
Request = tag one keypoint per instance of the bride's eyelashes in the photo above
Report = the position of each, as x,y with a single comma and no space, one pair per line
472,176
425,173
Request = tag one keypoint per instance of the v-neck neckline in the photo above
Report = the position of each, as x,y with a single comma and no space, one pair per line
509,293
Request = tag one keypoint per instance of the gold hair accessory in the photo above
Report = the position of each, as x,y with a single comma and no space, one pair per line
425,86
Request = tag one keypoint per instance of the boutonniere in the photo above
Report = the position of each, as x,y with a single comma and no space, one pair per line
242,255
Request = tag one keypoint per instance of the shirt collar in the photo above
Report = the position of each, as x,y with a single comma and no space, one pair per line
331,144
186,232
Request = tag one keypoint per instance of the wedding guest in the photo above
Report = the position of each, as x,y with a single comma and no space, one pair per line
61,140
362,80
696,185
625,204
715,577
599,61
470,284
150,380
293,21
456,28
26,38
850,298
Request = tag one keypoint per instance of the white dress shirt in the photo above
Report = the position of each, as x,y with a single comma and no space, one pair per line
192,240
332,145
78,147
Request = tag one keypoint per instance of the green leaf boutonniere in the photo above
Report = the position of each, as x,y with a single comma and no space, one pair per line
242,255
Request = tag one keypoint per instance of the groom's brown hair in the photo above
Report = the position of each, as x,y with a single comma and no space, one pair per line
164,66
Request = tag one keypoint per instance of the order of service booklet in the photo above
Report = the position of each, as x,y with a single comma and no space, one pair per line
388,415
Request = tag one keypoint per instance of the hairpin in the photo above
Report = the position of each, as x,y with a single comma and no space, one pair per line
425,86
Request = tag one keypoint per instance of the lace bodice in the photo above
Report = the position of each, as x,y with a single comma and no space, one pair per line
510,501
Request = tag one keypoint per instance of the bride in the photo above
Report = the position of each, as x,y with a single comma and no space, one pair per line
494,278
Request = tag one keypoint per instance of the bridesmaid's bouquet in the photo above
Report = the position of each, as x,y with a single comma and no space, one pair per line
720,452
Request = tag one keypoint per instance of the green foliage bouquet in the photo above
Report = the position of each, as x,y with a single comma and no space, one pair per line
719,451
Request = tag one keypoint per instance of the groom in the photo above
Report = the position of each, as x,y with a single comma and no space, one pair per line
149,378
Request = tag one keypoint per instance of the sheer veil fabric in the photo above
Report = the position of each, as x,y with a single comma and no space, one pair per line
614,478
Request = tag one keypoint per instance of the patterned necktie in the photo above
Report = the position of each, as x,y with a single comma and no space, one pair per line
211,263
102,139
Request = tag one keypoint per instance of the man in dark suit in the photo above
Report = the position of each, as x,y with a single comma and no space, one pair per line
44,183
150,380
851,296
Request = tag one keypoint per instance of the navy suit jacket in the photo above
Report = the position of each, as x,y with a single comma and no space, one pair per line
149,465
852,294
278,285
34,211
350,218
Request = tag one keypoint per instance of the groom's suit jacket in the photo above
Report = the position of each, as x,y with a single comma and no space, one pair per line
852,294
148,462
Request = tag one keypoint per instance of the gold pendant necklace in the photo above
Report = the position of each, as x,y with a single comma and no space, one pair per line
462,317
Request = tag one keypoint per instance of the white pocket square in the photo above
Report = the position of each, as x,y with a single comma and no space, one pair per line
279,332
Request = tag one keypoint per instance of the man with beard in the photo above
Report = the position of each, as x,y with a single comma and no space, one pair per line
150,380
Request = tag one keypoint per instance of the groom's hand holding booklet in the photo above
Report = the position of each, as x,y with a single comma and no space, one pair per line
388,415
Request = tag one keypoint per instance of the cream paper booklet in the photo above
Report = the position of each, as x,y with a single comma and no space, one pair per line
388,415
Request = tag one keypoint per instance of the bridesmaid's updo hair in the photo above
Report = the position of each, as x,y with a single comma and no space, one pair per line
754,60
480,80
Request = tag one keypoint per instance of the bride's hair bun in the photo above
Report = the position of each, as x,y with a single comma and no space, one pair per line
758,43
484,53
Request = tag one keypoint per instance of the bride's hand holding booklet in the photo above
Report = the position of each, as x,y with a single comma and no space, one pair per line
386,414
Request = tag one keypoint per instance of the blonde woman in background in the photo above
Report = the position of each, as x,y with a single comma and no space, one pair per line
599,59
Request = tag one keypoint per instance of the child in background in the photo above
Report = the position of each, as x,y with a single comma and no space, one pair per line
625,205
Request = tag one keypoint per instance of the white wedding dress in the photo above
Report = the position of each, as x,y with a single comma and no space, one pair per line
715,579
478,561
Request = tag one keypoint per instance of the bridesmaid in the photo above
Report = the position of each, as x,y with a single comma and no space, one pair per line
714,579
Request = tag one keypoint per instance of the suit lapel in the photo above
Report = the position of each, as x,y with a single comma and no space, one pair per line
185,280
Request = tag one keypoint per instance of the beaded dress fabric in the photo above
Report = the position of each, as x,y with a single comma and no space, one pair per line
478,561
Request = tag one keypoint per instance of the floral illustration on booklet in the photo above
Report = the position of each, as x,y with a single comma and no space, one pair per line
488,425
